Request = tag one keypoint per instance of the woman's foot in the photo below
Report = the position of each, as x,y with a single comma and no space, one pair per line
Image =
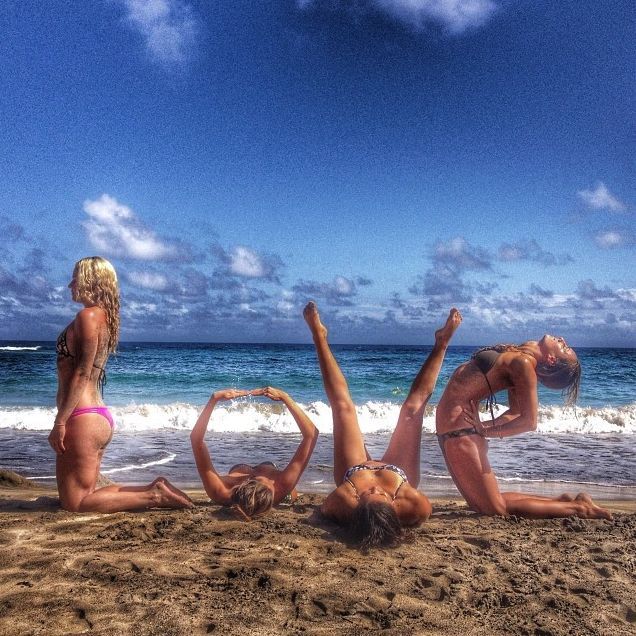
165,495
591,510
443,335
312,318
566,496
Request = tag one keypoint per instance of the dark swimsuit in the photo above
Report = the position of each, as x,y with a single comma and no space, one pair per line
62,350
484,360
390,467
251,469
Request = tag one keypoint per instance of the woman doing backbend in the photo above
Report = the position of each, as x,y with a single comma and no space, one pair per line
377,498
252,490
463,437
83,425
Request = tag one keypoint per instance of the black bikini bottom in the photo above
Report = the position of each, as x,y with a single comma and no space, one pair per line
471,430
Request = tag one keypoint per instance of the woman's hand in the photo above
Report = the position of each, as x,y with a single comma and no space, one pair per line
229,394
471,417
56,438
272,393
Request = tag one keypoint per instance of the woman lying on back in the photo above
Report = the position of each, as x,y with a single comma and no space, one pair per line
376,499
252,490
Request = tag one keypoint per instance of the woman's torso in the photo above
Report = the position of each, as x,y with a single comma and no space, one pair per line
403,497
68,350
469,384
266,472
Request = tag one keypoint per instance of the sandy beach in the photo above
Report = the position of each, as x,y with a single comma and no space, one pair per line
201,571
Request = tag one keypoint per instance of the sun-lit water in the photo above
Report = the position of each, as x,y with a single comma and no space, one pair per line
156,391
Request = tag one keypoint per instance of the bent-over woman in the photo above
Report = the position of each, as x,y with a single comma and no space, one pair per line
251,491
376,499
84,425
463,437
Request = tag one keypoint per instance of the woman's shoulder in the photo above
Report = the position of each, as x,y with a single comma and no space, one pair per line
93,314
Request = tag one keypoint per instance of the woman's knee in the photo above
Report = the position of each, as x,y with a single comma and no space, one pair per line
495,508
344,407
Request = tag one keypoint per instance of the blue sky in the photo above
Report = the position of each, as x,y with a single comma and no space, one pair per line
386,158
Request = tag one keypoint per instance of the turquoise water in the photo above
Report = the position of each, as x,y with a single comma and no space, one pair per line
156,391
168,372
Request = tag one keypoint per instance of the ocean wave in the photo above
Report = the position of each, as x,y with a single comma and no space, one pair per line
249,416
36,348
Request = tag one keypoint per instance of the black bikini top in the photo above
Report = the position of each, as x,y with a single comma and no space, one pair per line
62,350
484,360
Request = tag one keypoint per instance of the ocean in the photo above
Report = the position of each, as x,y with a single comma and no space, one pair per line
156,390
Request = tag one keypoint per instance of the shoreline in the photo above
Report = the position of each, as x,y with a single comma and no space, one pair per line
438,489
202,571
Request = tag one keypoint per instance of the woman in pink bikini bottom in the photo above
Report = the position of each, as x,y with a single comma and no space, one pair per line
83,425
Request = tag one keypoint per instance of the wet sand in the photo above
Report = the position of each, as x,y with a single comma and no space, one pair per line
201,571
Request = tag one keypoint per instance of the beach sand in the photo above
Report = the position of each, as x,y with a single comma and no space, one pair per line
201,571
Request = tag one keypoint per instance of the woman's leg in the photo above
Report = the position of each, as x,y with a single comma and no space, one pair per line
348,443
404,446
467,461
536,507
77,470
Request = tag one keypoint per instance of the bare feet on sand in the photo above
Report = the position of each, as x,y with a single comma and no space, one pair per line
445,333
165,495
592,511
312,318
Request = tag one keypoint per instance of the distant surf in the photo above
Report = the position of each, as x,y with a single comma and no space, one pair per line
373,416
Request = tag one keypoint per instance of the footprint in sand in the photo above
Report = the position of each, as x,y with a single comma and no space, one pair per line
431,589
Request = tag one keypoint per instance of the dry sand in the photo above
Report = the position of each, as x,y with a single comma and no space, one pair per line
202,572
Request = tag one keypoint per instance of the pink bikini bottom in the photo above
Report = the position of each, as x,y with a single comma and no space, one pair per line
100,410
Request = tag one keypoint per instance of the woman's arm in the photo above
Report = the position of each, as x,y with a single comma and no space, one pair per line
337,507
521,415
289,477
86,331
212,482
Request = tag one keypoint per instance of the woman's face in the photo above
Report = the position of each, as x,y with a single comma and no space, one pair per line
73,287
557,347
375,494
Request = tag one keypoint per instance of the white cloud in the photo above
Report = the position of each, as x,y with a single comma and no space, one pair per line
454,15
246,262
167,26
343,286
114,229
601,199
608,239
459,253
148,280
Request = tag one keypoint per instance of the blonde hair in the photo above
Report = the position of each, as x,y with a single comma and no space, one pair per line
252,498
96,283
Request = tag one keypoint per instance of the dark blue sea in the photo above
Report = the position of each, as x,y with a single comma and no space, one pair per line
156,391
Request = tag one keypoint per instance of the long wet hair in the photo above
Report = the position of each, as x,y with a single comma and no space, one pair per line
96,284
376,524
563,374
252,498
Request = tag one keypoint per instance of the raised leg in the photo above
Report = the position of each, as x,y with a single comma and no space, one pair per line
467,461
348,443
404,446
77,470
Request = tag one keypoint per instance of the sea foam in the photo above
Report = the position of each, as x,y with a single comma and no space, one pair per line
373,417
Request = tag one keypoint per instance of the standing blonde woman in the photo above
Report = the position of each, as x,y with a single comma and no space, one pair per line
83,425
